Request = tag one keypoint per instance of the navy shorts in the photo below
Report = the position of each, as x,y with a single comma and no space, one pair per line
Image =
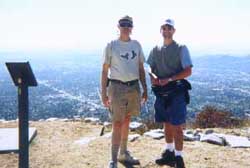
174,112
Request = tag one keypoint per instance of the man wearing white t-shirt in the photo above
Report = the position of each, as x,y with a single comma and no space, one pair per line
122,70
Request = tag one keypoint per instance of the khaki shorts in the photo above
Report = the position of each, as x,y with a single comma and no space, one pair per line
124,99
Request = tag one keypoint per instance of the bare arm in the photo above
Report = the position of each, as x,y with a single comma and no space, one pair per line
183,74
142,76
104,80
143,81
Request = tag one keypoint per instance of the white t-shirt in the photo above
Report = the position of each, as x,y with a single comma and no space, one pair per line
123,58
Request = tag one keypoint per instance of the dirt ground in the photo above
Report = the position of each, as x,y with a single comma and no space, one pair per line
55,147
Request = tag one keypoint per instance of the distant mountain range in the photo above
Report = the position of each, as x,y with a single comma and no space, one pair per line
69,85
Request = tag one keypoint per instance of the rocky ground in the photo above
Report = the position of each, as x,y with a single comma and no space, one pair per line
55,147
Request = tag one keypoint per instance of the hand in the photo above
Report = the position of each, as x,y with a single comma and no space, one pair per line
105,101
163,82
144,97
155,81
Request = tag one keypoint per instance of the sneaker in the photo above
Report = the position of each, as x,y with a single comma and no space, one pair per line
179,162
127,158
167,158
112,164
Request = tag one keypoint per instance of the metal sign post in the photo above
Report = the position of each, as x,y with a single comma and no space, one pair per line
23,77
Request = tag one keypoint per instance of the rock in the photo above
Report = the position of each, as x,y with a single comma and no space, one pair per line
197,131
107,125
157,130
236,141
136,126
189,136
77,118
70,120
188,131
133,137
210,131
92,120
52,119
63,119
213,139
234,133
155,134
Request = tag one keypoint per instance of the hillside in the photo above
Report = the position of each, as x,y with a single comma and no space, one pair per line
55,147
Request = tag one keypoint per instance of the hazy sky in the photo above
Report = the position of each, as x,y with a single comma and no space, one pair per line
211,26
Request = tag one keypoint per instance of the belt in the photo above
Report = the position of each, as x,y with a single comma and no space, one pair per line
129,83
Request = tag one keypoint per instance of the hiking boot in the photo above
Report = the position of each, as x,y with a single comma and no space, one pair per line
179,162
127,158
167,158
112,164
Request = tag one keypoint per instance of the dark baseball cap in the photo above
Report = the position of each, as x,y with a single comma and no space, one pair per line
126,21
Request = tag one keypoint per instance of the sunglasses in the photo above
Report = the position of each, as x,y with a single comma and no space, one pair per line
167,27
129,25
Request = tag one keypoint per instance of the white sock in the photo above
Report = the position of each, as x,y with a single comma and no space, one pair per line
178,153
170,147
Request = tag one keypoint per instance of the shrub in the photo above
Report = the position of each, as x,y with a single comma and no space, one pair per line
211,117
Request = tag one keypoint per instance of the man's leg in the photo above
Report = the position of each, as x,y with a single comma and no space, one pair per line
116,139
124,134
167,157
169,136
178,139
124,155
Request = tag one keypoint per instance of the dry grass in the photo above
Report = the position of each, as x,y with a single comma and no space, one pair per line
54,147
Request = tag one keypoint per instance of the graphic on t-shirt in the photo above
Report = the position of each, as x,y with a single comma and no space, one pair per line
134,54
126,56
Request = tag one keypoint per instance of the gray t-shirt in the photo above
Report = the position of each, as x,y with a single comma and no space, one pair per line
167,61
123,58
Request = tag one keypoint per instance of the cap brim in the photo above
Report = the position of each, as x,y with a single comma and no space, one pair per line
167,24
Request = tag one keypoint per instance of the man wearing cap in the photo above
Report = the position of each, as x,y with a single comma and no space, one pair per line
170,65
123,59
